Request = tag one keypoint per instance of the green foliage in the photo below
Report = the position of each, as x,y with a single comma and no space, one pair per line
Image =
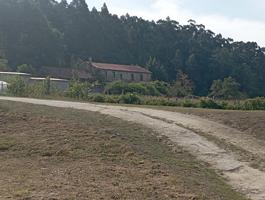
182,86
117,87
188,103
255,104
210,103
120,87
16,86
161,87
226,89
98,98
4,65
24,68
78,90
130,98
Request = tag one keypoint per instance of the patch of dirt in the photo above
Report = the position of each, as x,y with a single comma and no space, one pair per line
66,154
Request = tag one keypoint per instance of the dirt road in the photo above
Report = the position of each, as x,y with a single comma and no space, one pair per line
181,129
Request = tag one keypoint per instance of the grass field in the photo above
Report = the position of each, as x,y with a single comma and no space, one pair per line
52,153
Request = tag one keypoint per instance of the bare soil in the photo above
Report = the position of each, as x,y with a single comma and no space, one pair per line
57,153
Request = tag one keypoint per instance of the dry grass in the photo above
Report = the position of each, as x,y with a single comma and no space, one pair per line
50,153
249,122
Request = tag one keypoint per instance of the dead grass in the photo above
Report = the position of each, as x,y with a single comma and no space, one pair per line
249,122
52,153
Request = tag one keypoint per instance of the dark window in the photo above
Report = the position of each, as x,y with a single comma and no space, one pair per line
121,77
132,77
114,75
141,77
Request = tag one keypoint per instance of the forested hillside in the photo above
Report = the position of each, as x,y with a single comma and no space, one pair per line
51,33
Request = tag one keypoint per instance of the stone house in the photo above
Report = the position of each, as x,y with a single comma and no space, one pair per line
92,71
114,72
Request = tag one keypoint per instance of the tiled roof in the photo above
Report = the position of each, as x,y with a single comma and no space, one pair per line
124,68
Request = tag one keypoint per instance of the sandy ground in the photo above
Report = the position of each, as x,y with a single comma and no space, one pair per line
181,129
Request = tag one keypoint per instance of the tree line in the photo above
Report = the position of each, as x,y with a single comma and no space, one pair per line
51,33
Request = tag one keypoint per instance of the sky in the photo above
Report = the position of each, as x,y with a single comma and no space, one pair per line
242,20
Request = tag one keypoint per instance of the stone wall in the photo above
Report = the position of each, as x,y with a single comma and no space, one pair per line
125,76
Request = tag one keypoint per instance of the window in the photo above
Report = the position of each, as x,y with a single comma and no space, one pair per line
141,77
132,77
121,77
114,75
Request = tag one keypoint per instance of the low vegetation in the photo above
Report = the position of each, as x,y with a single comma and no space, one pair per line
154,93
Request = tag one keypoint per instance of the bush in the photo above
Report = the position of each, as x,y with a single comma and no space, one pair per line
188,103
254,104
78,90
16,86
151,89
130,98
161,87
98,98
138,88
112,99
26,69
117,87
210,103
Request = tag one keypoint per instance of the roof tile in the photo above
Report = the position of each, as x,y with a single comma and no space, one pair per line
118,67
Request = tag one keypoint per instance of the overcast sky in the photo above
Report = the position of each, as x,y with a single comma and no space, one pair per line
238,19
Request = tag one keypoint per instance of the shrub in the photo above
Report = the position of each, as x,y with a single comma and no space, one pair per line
188,103
16,86
226,89
254,104
78,90
112,99
98,98
130,98
24,68
151,90
210,103
137,88
119,87
161,87
182,87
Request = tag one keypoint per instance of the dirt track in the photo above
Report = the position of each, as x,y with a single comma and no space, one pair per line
178,128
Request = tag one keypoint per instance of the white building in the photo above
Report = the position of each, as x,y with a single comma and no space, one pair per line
5,76
57,84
